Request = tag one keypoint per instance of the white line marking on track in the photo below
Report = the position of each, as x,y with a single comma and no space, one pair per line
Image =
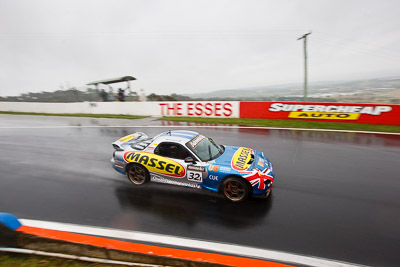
193,126
223,248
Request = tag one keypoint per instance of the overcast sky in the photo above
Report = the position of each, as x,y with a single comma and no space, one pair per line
194,46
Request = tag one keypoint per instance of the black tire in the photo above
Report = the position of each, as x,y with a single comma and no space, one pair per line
137,174
235,189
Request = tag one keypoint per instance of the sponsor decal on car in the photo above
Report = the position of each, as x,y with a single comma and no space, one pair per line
241,159
196,141
156,163
225,169
127,138
213,168
260,178
158,179
196,168
118,166
213,177
261,162
195,173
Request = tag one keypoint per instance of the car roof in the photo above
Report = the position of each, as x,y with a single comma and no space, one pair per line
178,136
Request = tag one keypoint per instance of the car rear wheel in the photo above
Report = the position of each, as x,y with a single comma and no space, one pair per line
137,174
235,189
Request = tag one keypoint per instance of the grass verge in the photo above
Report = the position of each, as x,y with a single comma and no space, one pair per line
247,122
22,260
291,124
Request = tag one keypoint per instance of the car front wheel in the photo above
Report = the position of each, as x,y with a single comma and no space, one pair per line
235,189
137,174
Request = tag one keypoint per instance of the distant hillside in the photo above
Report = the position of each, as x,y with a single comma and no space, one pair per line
387,87
383,90
271,90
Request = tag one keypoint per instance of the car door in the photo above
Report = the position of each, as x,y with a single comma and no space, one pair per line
194,173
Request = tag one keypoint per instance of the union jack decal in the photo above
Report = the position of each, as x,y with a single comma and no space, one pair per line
259,177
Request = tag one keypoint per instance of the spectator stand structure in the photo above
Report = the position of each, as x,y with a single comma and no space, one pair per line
129,94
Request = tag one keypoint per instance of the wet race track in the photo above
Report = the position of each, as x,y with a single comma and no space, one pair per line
336,196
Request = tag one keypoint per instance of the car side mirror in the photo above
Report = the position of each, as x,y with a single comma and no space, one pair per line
190,160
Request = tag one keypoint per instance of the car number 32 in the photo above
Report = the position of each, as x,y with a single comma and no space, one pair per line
194,176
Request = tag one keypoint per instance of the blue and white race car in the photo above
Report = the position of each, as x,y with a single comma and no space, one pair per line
189,159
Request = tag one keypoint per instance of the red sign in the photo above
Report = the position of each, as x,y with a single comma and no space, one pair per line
335,112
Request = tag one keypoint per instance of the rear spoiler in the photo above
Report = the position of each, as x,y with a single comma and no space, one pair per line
128,140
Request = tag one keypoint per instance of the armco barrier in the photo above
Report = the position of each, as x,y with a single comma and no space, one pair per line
125,108
335,112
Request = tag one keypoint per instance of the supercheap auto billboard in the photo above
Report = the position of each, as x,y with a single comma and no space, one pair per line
337,112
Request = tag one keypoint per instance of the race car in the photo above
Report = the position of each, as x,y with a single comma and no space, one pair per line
190,159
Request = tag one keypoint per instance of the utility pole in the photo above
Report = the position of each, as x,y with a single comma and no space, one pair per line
305,64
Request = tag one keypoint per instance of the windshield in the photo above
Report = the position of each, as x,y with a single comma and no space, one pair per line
205,148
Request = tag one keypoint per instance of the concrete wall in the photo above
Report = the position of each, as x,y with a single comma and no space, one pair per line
218,109
338,112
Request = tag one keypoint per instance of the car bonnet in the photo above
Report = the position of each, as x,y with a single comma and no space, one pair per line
237,158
